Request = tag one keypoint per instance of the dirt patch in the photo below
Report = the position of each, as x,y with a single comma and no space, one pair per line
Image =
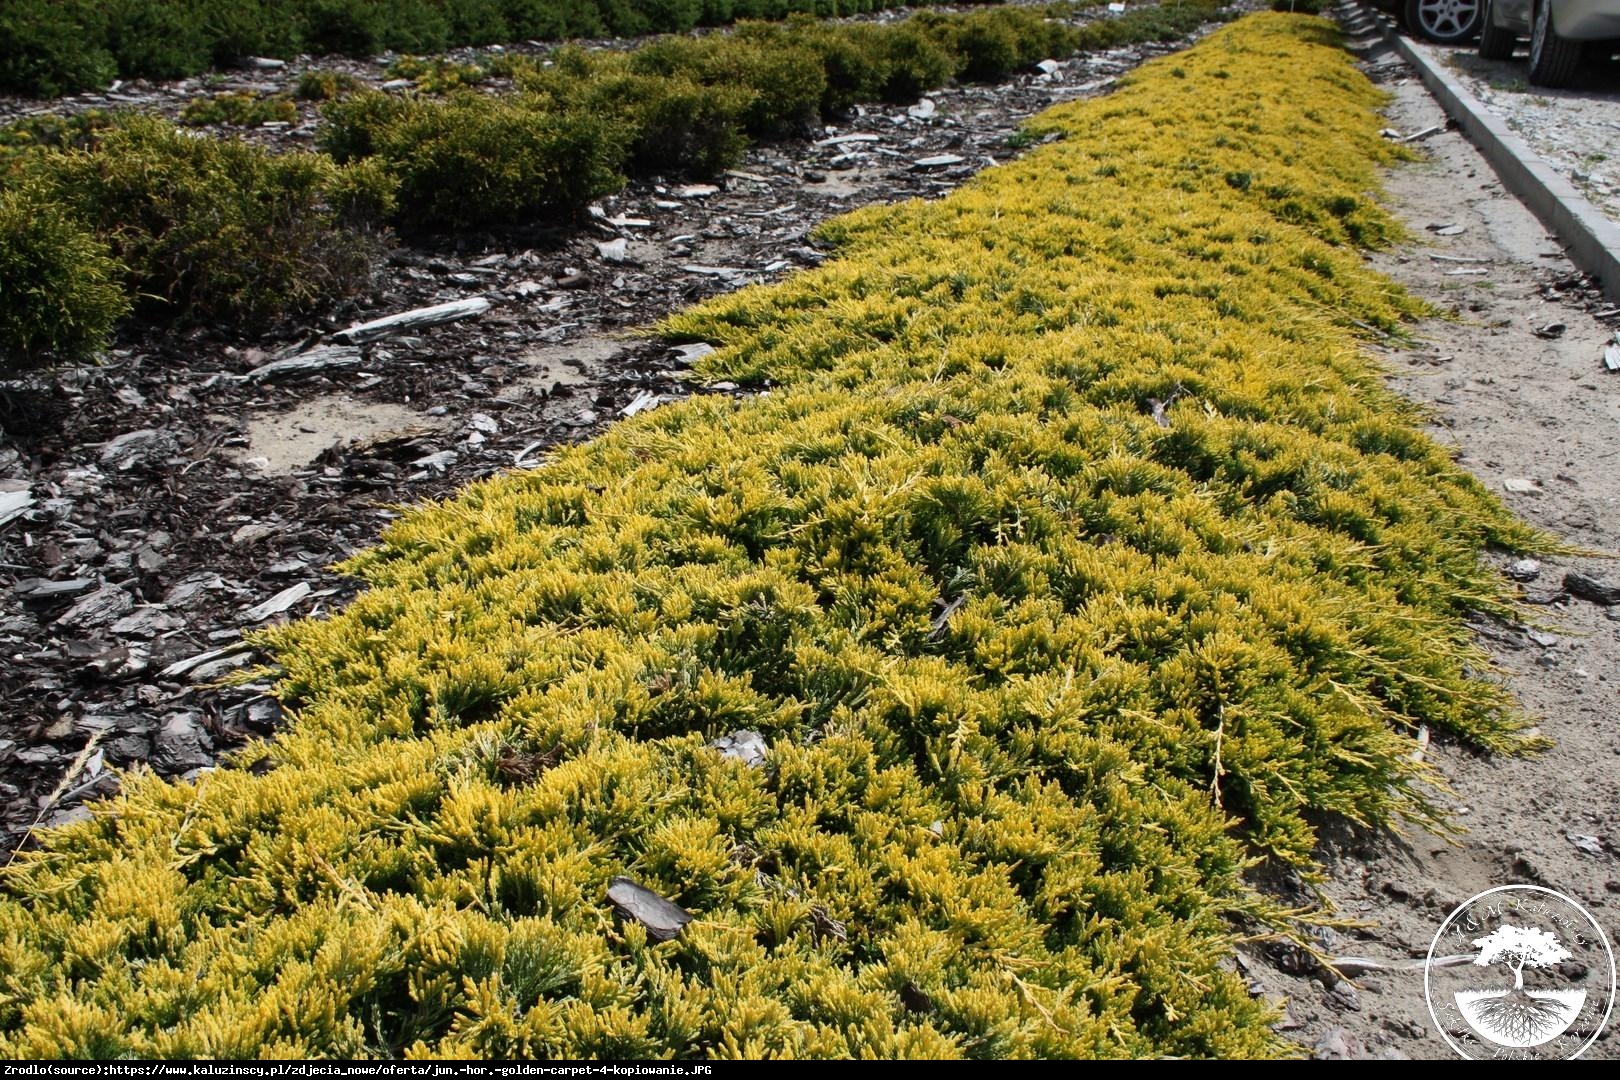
279,444
552,369
1531,411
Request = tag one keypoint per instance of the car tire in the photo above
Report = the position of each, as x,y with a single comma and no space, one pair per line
1494,42
1553,59
1450,22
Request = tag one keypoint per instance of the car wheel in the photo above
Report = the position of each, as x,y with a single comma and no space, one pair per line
1449,22
1495,43
1553,59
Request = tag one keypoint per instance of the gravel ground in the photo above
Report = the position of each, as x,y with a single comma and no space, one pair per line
1577,131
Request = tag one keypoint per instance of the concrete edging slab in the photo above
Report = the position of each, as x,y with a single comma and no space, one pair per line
1591,240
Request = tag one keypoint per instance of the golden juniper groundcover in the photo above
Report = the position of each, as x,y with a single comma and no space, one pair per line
1076,559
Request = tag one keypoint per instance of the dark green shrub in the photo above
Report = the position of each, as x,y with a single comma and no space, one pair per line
914,63
671,124
475,22
237,29
476,160
57,46
678,126
1299,7
550,19
367,27
62,293
218,228
353,123
990,45
671,16
50,49
788,79
157,39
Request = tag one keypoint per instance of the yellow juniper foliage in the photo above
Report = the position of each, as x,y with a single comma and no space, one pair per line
1076,559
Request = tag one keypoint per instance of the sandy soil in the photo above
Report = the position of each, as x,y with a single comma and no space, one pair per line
1516,406
1575,130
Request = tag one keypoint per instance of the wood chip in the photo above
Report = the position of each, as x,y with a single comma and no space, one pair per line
40,591
745,746
857,137
321,358
714,271
377,329
14,504
181,668
102,606
663,919
643,401
1591,588
1424,134
691,354
278,603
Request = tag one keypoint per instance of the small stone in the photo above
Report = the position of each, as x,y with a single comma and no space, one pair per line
1590,845
1338,1044
1520,485
1344,994
1524,570
663,919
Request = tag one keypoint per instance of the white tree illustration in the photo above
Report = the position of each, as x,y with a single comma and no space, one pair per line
1520,947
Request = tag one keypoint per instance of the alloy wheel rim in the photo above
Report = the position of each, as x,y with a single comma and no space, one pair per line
1447,18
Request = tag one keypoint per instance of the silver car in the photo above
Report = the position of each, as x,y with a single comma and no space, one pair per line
1560,33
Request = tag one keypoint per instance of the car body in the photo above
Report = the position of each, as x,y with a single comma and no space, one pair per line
1562,34
1575,20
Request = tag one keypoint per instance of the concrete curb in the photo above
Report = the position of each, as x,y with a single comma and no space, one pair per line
1591,240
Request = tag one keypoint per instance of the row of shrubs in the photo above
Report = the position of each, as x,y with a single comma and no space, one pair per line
163,221
50,47
1078,559
577,124
106,213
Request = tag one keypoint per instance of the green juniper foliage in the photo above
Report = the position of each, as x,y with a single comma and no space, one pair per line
1076,559
581,121
54,47
61,294
217,228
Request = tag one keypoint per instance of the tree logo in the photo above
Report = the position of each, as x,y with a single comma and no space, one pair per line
1563,976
